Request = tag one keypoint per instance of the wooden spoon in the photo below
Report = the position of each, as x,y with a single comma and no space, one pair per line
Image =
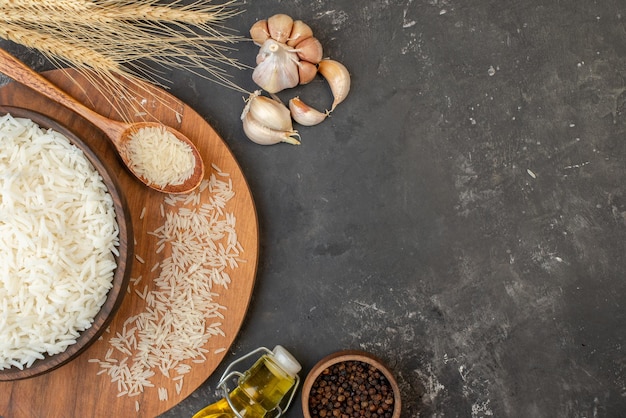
118,132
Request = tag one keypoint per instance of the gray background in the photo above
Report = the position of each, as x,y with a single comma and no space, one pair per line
462,215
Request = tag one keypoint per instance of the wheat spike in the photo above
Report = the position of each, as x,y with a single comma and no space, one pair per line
126,31
99,70
105,39
54,47
198,13
76,5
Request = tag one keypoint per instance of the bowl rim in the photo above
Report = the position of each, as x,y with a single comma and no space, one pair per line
121,275
343,356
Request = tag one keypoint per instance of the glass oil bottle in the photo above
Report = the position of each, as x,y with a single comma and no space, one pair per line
264,390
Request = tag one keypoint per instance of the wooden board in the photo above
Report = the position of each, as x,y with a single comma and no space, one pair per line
77,389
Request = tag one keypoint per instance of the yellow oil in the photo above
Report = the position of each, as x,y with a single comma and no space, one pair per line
259,391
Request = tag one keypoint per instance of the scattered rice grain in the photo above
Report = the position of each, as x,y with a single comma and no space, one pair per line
163,394
180,314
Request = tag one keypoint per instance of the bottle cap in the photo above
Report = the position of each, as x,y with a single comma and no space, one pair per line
286,360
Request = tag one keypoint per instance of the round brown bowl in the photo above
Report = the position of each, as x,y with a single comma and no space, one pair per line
326,364
120,276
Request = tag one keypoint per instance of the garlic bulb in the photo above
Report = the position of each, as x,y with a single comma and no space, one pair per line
299,32
338,79
259,32
267,121
277,67
270,112
309,49
261,134
306,72
304,114
284,44
280,26
289,55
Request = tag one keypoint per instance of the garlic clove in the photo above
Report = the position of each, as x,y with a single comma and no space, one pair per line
306,72
259,32
310,49
277,67
338,79
260,134
304,114
299,32
269,112
279,27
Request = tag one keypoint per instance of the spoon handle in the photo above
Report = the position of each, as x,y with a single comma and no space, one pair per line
20,72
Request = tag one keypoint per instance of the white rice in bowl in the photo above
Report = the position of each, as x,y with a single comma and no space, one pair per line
58,242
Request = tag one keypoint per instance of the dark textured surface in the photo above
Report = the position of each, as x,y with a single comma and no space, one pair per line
462,215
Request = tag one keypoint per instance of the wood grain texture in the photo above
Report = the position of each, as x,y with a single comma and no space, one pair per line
76,389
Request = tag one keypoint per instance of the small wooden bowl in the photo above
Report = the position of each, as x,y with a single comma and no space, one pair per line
122,272
348,356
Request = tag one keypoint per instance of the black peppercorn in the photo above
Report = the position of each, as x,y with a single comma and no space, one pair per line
351,389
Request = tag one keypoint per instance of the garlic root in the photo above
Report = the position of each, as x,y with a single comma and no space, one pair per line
289,55
277,67
338,79
304,114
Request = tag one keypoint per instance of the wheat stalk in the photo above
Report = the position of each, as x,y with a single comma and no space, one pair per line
98,70
107,38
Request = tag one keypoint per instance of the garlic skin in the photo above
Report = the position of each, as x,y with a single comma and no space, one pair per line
304,114
259,32
271,113
306,72
310,49
284,42
262,135
280,26
277,67
289,55
338,79
267,121
299,32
